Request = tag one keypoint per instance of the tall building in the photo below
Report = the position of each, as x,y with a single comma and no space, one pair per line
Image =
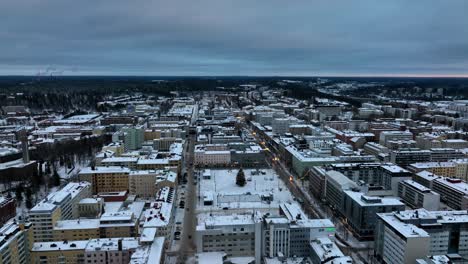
404,236
397,242
60,205
43,217
15,241
361,211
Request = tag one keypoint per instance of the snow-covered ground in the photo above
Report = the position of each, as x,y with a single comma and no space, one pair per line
226,195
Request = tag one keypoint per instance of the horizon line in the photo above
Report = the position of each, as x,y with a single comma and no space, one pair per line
454,76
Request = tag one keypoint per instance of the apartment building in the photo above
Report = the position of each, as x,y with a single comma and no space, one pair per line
58,252
461,169
106,179
15,241
142,183
387,136
59,205
418,196
212,155
404,157
445,154
145,183
133,137
454,143
79,229
444,168
128,162
453,192
103,250
375,149
280,126
110,250
43,217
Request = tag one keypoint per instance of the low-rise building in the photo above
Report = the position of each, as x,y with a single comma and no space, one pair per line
324,250
445,168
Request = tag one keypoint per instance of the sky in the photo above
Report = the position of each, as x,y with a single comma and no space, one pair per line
239,37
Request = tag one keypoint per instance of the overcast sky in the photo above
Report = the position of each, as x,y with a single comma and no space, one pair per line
224,37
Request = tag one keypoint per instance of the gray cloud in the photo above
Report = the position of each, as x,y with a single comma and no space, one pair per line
212,37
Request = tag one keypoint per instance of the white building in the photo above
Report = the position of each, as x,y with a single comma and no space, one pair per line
212,155
324,250
387,136
404,236
110,250
255,234
418,196
397,242
454,192
236,235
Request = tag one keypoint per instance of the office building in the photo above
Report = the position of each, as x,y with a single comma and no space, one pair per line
404,157
418,196
403,237
361,211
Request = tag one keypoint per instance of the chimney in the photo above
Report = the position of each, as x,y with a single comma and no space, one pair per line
23,137
120,245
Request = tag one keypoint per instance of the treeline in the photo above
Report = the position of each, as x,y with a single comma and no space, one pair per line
68,94
304,92
61,151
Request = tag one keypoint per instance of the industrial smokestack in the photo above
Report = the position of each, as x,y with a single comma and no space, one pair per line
23,137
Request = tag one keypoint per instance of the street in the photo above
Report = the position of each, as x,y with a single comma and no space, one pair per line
183,249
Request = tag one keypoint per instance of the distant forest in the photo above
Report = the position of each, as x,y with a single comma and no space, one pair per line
68,94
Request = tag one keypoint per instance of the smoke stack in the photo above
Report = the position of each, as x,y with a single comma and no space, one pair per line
23,137
119,245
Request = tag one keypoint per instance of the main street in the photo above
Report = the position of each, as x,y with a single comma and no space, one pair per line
185,248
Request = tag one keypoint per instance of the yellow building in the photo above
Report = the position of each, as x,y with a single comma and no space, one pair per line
80,229
110,225
448,168
69,252
115,147
152,134
43,217
15,243
106,179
